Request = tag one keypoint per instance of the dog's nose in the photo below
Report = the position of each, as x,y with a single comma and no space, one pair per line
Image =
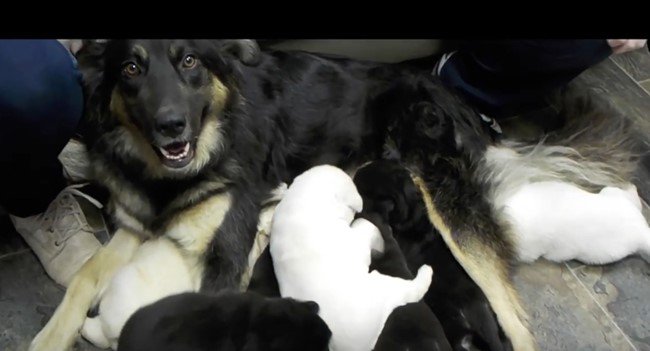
170,124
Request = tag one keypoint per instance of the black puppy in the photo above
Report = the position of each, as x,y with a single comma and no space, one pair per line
227,322
468,321
412,327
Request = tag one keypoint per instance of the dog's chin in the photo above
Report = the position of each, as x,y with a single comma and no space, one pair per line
176,155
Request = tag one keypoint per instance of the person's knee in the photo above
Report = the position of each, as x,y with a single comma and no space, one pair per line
40,87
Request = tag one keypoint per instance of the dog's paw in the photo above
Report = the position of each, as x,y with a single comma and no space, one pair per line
48,340
57,335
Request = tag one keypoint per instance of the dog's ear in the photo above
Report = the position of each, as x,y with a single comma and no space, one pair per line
91,62
245,50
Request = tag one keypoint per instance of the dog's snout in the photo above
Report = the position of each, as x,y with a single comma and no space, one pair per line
170,124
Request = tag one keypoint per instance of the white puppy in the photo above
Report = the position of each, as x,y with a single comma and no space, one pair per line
560,222
321,254
157,270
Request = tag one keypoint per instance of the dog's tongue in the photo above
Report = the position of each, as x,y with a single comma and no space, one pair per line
175,148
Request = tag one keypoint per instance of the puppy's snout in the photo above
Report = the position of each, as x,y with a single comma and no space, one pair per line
170,124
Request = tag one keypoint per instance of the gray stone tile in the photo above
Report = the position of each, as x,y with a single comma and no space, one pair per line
609,81
646,85
623,289
636,63
563,315
10,241
27,300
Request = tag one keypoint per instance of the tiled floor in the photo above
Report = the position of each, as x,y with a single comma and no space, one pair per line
572,307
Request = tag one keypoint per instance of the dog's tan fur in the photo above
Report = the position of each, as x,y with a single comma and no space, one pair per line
490,273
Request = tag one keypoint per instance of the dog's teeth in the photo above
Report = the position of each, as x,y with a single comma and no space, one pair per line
165,153
170,156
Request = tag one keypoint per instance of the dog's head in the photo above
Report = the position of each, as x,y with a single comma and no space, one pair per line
283,324
165,99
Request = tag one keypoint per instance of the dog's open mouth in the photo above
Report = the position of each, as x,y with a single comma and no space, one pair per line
176,155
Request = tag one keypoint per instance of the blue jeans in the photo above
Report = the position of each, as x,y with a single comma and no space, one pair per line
507,77
41,104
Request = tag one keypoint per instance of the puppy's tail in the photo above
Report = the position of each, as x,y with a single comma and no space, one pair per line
597,147
93,332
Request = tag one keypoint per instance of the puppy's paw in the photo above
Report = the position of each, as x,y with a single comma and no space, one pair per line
368,232
422,281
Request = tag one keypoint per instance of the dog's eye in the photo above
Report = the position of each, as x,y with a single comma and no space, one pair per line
130,69
189,61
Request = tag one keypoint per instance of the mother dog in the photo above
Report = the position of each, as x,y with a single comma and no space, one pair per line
190,136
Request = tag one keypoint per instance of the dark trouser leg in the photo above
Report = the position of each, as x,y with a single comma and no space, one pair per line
503,78
41,103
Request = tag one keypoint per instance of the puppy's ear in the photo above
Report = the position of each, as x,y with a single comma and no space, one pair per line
245,50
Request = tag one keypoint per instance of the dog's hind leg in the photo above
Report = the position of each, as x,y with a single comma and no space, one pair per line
489,271
61,331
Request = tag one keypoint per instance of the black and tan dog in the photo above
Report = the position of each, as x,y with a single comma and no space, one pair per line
191,136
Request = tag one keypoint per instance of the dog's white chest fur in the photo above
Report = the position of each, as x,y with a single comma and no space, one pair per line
321,254
560,222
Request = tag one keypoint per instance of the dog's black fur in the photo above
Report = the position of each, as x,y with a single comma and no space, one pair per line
276,119
468,321
237,322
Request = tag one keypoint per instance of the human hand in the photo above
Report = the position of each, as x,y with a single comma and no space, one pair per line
620,46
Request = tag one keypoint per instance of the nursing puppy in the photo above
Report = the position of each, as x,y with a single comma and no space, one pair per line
229,321
156,271
457,301
319,253
412,327
560,222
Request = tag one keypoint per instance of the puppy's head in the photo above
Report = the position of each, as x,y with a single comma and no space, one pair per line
425,121
165,99
283,324
327,182
388,190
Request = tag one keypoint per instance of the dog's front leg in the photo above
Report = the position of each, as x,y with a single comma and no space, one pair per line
61,331
226,257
